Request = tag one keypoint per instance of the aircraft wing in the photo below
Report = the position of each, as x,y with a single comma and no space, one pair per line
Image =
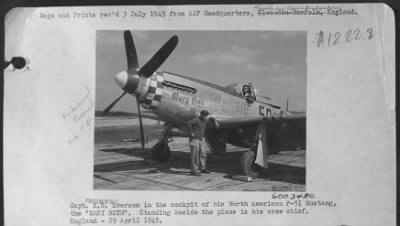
298,120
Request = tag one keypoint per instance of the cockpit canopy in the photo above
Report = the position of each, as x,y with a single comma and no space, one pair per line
234,88
246,91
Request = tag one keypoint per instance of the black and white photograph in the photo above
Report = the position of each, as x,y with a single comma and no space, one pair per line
200,110
252,114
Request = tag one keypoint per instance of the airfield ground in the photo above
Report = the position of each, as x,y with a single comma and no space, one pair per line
120,164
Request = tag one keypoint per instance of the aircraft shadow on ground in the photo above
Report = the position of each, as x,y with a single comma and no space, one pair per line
178,163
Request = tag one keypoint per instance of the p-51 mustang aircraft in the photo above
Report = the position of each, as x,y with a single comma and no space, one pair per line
244,119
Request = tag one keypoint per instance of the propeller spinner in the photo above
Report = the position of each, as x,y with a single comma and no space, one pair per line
130,80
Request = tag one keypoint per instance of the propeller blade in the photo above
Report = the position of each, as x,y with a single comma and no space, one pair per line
162,54
112,104
130,51
141,123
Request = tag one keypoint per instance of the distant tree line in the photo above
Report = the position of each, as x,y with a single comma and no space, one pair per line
98,113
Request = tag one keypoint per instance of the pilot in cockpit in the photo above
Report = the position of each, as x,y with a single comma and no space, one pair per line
248,93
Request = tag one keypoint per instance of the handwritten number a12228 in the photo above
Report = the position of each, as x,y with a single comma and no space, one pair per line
334,38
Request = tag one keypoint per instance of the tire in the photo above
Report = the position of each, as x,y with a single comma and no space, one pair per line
160,152
247,164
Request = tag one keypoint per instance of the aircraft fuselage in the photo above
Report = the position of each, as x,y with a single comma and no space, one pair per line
184,97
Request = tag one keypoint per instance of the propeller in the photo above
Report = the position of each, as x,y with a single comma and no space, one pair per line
130,51
129,80
105,112
140,122
162,54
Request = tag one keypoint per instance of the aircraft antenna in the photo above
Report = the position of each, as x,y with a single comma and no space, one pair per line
287,104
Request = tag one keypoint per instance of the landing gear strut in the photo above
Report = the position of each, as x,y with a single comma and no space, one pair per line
160,151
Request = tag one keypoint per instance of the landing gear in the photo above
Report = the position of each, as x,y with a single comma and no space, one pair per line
249,168
160,151
254,161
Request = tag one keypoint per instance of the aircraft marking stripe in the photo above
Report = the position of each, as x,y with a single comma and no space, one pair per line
154,93
157,97
152,89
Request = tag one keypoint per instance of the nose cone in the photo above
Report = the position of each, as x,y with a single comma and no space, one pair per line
127,82
121,79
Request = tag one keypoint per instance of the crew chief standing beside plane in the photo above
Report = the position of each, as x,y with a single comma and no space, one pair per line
198,155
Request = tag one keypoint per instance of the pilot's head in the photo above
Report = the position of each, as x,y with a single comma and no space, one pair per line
204,114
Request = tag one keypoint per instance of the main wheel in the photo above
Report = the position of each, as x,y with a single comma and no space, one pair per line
247,163
160,152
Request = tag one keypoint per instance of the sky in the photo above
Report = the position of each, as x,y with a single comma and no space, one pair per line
274,61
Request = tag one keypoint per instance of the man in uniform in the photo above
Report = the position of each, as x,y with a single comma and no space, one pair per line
198,157
248,93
